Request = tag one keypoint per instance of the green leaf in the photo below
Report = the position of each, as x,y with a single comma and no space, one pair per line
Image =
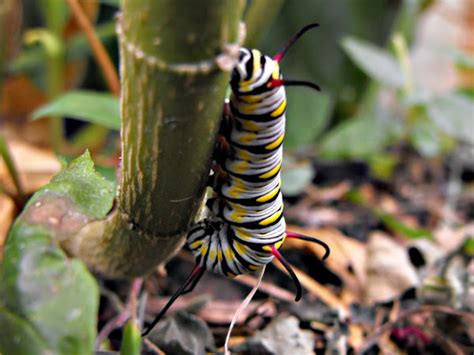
89,106
358,137
398,226
19,337
56,297
377,63
462,59
295,176
132,339
383,165
90,192
426,138
307,115
453,114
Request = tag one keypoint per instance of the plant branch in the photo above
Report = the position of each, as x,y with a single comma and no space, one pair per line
171,102
10,165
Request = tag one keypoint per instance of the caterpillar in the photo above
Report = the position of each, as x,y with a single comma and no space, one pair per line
246,228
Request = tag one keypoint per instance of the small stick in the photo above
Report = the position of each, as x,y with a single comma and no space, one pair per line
100,54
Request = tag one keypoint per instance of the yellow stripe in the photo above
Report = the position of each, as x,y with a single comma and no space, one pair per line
256,60
249,125
276,71
196,244
271,219
203,250
249,108
219,255
212,254
269,196
247,138
275,143
229,254
278,244
271,172
239,247
279,110
241,166
251,99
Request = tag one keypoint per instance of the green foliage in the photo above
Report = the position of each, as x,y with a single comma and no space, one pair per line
308,115
131,341
377,63
361,136
453,114
389,220
90,192
397,226
19,335
89,106
49,301
295,176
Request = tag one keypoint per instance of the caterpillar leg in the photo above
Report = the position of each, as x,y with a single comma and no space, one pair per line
288,268
312,240
186,287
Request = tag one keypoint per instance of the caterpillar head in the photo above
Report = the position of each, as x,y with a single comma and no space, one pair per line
254,72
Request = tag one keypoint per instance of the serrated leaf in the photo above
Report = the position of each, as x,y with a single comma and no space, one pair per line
377,63
90,106
91,193
454,115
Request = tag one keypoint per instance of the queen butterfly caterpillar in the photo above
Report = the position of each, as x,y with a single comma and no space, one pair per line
246,228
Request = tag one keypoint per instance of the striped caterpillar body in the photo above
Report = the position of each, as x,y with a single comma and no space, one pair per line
246,228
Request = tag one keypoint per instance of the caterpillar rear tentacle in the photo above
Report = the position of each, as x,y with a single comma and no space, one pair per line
246,227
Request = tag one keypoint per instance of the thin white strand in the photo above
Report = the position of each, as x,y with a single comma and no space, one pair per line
241,308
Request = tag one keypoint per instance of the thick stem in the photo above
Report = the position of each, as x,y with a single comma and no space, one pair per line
172,98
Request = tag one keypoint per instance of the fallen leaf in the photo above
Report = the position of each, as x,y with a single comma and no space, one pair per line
389,270
346,254
183,333
7,212
35,166
282,336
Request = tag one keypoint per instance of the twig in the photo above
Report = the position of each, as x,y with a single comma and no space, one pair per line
153,347
128,311
5,154
100,54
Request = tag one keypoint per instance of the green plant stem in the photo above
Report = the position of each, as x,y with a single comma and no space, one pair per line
258,19
172,98
7,158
